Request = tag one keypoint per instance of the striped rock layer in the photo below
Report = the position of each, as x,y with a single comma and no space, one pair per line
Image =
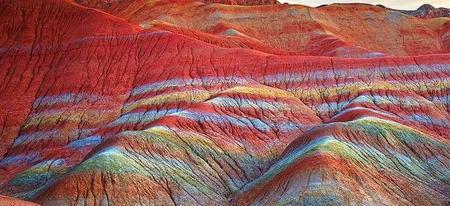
97,109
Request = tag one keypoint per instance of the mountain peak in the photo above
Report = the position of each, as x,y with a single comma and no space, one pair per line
426,7
426,11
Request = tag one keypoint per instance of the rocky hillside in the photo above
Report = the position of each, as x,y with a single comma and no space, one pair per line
200,103
427,11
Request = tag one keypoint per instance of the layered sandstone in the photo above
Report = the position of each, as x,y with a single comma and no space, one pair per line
197,103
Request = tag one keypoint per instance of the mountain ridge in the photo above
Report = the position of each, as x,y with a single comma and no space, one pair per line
143,108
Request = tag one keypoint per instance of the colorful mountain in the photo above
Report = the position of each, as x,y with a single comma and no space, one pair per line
426,11
188,102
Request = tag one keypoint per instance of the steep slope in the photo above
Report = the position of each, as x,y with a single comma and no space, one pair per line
175,115
30,51
342,30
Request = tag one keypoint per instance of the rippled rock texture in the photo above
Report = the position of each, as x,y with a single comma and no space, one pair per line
202,103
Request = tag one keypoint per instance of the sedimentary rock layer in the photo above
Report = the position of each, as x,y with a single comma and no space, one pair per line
99,108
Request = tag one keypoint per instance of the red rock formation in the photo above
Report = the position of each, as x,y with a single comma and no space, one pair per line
188,103
426,11
8,201
325,31
243,2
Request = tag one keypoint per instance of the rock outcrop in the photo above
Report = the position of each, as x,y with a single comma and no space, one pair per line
189,103
427,11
